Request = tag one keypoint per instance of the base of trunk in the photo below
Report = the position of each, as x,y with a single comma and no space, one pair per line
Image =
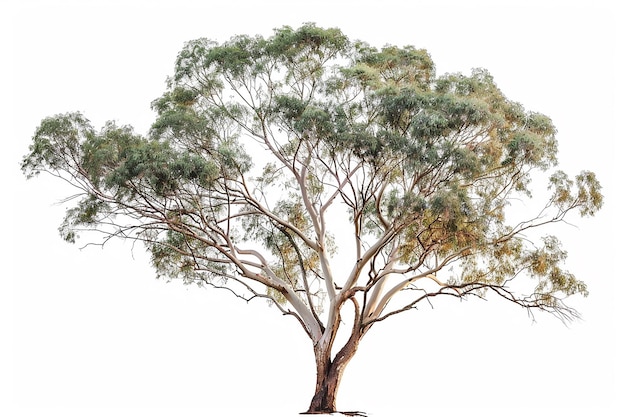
345,413
329,374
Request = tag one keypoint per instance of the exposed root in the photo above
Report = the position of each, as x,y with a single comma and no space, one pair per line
345,413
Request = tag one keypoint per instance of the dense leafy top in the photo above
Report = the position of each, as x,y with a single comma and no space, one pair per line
258,140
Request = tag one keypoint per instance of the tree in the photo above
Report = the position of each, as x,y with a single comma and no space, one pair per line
264,151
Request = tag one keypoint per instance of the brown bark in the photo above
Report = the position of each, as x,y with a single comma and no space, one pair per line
325,398
326,386
329,375
328,378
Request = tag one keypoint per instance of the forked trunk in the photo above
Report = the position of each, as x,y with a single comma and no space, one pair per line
329,375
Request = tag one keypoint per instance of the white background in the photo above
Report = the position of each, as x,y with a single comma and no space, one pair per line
92,333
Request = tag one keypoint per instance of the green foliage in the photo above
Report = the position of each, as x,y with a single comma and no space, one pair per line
88,212
122,159
256,138
55,143
394,66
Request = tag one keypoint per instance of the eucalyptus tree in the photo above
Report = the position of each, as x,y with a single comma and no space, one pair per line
339,181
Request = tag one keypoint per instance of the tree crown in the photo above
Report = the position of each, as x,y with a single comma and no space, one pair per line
262,146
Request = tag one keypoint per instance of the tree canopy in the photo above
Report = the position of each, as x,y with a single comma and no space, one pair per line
265,151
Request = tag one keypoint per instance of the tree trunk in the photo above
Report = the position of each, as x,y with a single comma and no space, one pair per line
324,399
329,375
